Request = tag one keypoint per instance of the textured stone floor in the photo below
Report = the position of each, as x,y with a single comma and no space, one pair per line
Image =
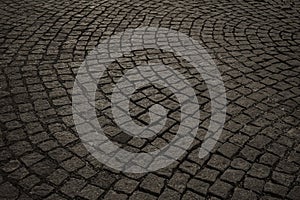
255,45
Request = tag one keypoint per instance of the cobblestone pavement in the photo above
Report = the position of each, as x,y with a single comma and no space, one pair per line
255,45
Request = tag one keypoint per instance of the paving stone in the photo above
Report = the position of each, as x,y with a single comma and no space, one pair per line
141,195
294,193
79,150
29,181
207,174
259,171
87,172
285,141
259,142
90,192
153,183
189,195
198,186
269,197
277,149
284,179
24,197
48,145
44,167
220,189
126,185
232,175
228,149
268,159
42,190
11,166
72,164
19,174
112,195
8,191
59,154
189,167
179,181
39,137
58,176
254,184
275,189
243,194
20,148
294,157
169,194
104,179
250,153
240,163
32,158
65,137
219,162
55,197
286,167
72,187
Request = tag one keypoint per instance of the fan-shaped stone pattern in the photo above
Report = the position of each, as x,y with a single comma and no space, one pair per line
255,44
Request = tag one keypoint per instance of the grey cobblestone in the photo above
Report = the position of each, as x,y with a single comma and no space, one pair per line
255,45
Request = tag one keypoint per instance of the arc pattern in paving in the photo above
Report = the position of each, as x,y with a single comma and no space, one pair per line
255,45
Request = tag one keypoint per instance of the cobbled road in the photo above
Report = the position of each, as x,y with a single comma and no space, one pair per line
255,45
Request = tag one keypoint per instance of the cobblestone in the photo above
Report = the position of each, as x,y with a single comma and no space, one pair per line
220,189
254,184
243,194
259,171
255,45
153,183
198,186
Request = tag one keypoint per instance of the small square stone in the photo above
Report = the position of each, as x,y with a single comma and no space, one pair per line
275,189
282,178
249,153
59,154
153,183
29,181
126,185
72,164
294,193
72,187
138,195
219,162
179,181
169,194
198,186
259,171
239,163
104,179
232,175
259,141
65,137
112,195
254,184
86,172
208,174
42,190
91,192
242,194
189,167
58,176
189,195
220,189
268,159
228,149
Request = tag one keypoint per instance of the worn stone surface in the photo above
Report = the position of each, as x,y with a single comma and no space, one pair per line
255,45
